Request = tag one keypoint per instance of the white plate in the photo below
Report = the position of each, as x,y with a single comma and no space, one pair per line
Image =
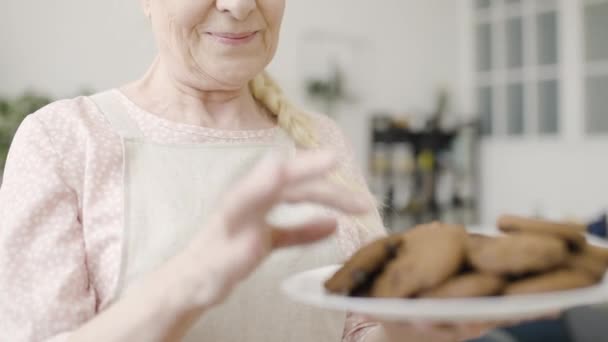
307,288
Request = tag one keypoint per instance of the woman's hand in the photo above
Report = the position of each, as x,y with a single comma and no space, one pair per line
237,238
437,332
445,332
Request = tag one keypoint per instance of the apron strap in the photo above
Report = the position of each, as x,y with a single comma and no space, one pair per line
116,114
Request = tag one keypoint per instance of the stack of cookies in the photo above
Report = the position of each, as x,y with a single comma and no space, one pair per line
444,261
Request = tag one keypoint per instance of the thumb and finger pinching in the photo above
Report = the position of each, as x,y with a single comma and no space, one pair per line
306,233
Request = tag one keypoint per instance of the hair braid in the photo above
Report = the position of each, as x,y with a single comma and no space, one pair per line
293,121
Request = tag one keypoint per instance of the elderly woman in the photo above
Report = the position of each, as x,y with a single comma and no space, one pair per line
161,210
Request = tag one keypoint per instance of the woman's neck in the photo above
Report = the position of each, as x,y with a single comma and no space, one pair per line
158,93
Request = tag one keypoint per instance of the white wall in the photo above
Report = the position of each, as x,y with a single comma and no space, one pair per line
414,44
554,179
414,50
60,46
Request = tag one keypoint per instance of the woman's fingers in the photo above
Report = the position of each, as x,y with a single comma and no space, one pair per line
260,190
329,194
306,233
438,331
448,331
309,165
301,179
421,331
469,331
460,331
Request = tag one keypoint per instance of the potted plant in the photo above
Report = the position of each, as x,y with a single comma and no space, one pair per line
12,112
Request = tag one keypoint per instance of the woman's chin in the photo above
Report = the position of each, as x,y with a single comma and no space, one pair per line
234,74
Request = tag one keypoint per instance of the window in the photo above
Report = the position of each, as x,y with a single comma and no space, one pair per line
515,109
596,60
517,66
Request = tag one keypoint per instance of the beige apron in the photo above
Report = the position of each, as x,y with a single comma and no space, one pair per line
170,190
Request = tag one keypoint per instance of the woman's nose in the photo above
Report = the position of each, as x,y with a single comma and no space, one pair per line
239,9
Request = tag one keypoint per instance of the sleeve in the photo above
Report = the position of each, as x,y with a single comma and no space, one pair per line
351,235
44,286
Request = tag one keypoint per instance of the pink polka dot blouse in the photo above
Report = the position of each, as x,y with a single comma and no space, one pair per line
61,209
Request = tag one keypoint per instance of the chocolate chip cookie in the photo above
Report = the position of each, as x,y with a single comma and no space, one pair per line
586,263
559,280
597,252
515,254
364,265
431,254
468,285
572,233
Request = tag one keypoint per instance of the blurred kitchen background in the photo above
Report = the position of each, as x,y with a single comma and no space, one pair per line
458,110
